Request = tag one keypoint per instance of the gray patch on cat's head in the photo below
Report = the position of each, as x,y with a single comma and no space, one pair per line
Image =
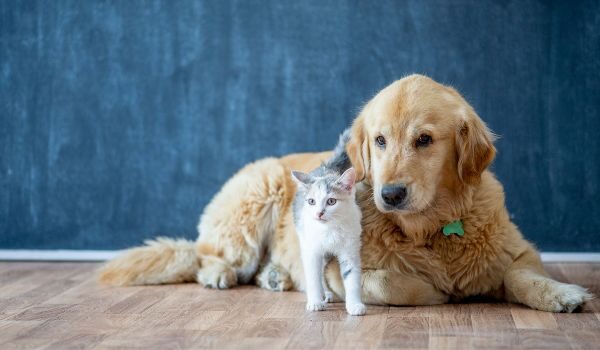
303,179
339,161
329,172
328,181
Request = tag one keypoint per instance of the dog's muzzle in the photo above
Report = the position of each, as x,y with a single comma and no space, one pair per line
394,195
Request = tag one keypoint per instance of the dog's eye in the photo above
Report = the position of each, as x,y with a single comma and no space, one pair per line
331,201
380,141
424,140
311,201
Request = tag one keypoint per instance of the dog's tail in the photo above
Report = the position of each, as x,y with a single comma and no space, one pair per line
160,261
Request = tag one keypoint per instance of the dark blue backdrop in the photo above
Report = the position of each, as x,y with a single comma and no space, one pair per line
121,119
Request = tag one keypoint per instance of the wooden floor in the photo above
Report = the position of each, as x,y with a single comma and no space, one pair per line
60,306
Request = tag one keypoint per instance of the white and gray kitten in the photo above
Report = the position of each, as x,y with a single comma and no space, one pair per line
328,224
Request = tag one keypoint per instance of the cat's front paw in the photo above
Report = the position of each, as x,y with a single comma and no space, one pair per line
315,306
357,309
328,296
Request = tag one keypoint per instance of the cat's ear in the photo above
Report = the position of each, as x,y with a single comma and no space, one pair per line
302,179
347,180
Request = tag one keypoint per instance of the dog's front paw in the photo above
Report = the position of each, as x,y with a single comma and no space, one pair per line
217,276
274,278
315,306
357,309
328,296
567,298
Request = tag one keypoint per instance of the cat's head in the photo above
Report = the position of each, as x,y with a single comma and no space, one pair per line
327,196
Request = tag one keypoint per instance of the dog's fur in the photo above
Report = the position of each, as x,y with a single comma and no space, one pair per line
247,231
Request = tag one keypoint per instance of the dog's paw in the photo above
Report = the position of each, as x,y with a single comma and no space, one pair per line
328,296
567,298
357,309
217,276
315,306
273,278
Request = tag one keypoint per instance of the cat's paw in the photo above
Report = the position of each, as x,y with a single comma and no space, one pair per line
315,306
328,296
357,309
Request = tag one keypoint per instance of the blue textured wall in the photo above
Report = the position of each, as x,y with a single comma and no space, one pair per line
119,120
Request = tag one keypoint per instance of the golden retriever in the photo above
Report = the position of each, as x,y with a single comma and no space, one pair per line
422,154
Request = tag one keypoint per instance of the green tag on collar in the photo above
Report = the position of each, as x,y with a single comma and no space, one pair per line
455,227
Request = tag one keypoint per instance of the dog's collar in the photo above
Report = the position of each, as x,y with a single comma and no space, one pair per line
455,227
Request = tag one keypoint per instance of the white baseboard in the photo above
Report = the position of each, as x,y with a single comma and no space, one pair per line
570,257
102,255
57,255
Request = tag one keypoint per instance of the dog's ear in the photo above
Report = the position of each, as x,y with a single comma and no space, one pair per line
358,148
474,147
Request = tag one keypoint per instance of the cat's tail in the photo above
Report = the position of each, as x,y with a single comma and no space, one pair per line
160,261
340,161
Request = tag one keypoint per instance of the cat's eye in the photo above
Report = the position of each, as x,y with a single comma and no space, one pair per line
380,141
331,201
311,201
424,140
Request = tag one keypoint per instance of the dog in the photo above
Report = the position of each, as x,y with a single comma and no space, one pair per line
422,155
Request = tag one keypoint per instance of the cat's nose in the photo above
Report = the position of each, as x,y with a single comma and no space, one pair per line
320,214
394,194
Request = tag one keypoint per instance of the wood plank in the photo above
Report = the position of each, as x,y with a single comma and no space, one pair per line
315,335
525,318
543,339
362,332
406,333
451,319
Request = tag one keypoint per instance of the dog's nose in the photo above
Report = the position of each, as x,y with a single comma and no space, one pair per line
394,194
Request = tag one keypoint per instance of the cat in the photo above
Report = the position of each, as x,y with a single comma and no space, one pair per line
327,220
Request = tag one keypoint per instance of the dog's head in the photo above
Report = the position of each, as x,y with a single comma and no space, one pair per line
415,139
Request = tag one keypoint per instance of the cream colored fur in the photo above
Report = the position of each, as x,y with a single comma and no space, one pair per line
163,260
248,229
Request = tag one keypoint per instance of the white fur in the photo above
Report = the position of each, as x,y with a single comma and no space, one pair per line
337,235
567,297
